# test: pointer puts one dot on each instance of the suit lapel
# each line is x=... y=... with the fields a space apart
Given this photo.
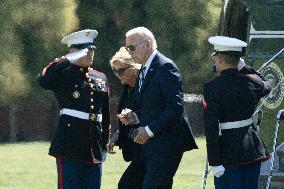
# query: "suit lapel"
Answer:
x=149 y=74
x=137 y=85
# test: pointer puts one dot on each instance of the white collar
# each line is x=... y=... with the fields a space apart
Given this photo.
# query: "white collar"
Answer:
x=241 y=64
x=149 y=61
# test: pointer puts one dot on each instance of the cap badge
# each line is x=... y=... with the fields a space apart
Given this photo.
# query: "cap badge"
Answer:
x=76 y=94
x=87 y=33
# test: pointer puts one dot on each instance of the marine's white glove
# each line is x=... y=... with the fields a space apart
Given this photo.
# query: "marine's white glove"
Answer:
x=218 y=170
x=75 y=56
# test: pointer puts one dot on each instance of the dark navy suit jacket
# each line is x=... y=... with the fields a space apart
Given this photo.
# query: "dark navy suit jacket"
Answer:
x=160 y=106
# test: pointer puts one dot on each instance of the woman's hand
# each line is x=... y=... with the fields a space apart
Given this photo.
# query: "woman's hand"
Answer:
x=110 y=146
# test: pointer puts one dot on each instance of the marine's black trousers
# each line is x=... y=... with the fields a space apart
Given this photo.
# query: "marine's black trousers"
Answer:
x=242 y=177
x=77 y=175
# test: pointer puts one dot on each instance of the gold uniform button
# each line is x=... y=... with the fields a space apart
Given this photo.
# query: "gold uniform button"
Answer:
x=68 y=125
x=90 y=80
x=92 y=107
x=76 y=94
x=92 y=93
x=92 y=100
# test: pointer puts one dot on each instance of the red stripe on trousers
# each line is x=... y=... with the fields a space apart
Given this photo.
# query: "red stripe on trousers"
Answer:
x=60 y=174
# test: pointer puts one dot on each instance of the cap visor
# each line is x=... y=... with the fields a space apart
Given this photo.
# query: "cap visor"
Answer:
x=91 y=46
x=83 y=46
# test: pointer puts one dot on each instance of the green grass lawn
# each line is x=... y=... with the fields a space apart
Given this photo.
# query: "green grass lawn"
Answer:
x=27 y=166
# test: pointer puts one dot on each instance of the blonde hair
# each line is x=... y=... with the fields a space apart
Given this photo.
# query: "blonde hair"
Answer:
x=123 y=56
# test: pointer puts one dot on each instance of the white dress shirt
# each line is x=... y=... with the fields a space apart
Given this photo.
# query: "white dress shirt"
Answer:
x=149 y=61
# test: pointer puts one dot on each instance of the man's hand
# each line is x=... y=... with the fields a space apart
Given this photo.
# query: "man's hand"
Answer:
x=142 y=136
x=128 y=117
x=218 y=171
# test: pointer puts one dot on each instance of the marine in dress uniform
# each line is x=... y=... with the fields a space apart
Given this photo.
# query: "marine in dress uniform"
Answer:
x=234 y=146
x=79 y=141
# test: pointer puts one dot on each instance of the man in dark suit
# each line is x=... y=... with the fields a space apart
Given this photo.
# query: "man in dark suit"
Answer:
x=164 y=126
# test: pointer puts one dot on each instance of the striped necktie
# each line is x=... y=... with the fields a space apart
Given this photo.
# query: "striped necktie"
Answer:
x=141 y=76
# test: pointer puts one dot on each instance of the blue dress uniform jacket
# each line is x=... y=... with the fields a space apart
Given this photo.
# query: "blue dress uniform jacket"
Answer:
x=250 y=70
x=75 y=138
x=233 y=96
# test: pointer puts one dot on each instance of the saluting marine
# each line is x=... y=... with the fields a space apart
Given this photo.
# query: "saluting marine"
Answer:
x=234 y=146
x=79 y=141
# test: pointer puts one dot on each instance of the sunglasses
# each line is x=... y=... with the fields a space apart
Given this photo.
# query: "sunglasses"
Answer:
x=131 y=48
x=120 y=70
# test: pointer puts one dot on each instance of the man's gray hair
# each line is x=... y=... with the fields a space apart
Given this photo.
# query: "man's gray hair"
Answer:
x=145 y=34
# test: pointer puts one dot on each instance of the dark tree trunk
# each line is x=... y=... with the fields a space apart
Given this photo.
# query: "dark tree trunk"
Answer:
x=234 y=19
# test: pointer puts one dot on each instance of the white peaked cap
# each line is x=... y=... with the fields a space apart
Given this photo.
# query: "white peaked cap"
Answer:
x=84 y=37
x=223 y=44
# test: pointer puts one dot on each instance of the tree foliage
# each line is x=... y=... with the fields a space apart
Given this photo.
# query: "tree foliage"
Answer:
x=29 y=36
x=31 y=31
x=181 y=28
